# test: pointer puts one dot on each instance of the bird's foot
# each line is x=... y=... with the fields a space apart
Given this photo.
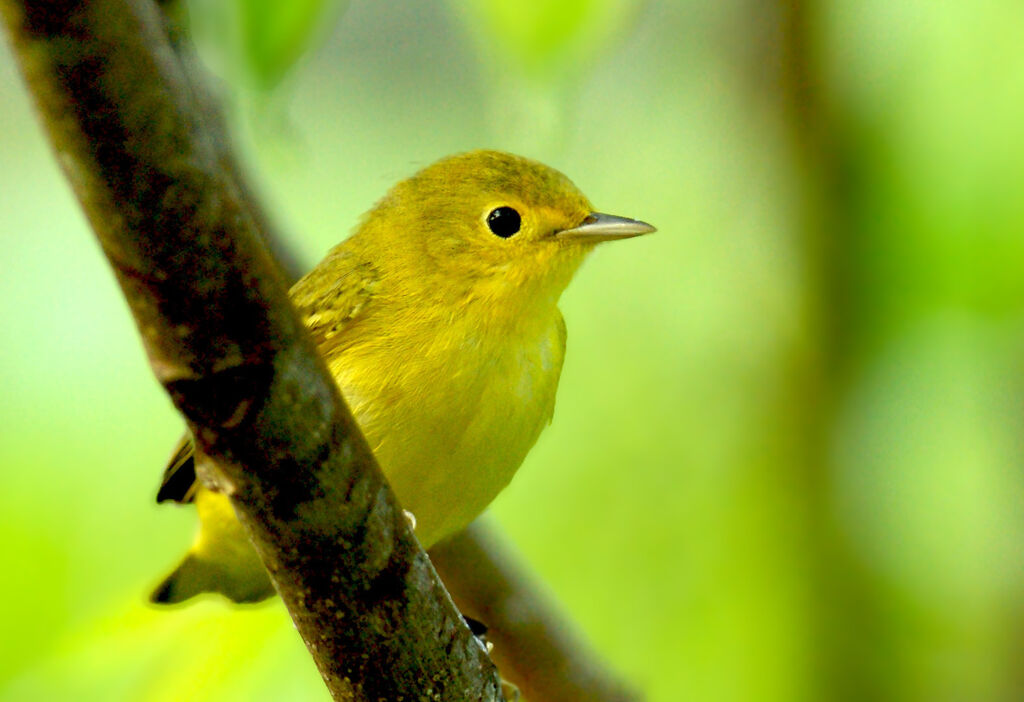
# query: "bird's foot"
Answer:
x=479 y=629
x=411 y=518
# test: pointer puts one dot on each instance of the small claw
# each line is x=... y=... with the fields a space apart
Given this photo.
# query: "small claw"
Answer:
x=411 y=518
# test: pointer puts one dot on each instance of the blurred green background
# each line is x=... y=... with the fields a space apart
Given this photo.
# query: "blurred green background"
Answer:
x=786 y=462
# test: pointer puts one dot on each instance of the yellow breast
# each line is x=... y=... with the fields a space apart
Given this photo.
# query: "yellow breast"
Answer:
x=451 y=416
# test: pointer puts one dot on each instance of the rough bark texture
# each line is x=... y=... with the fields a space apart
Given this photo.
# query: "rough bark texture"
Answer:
x=222 y=337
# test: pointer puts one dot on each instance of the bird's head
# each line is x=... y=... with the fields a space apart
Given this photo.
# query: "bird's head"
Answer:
x=489 y=225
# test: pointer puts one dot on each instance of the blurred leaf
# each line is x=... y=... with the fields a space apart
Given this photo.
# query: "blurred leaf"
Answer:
x=543 y=37
x=258 y=40
x=276 y=34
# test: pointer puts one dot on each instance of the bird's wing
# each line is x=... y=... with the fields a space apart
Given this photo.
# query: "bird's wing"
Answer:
x=334 y=295
x=330 y=298
x=179 y=483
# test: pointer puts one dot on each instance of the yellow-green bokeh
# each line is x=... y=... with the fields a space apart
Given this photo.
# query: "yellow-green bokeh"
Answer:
x=665 y=508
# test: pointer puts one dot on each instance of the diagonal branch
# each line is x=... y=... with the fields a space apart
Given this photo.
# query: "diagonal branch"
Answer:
x=207 y=104
x=222 y=337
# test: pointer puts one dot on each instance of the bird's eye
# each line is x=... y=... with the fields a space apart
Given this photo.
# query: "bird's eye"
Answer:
x=504 y=221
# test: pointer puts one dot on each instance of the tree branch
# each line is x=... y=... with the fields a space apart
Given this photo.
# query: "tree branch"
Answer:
x=207 y=104
x=534 y=647
x=222 y=337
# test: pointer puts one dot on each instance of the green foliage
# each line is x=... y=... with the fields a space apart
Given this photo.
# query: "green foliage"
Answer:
x=663 y=506
x=259 y=41
x=545 y=37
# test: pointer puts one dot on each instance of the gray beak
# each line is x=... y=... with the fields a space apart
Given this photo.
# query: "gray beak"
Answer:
x=605 y=227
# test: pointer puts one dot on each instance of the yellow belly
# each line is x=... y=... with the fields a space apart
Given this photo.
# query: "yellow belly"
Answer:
x=450 y=430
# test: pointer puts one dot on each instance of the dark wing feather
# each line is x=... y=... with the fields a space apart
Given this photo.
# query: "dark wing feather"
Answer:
x=180 y=474
x=334 y=295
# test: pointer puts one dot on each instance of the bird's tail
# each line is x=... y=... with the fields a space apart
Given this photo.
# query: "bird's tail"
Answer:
x=196 y=575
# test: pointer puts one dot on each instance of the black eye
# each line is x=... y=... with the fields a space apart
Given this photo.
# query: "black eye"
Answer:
x=504 y=221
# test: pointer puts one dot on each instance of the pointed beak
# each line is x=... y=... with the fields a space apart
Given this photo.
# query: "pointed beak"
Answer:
x=605 y=227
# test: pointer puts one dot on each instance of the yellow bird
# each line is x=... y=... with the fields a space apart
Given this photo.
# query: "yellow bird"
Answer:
x=438 y=318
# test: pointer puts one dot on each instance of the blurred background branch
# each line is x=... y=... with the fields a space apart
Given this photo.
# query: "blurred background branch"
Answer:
x=534 y=646
x=822 y=352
